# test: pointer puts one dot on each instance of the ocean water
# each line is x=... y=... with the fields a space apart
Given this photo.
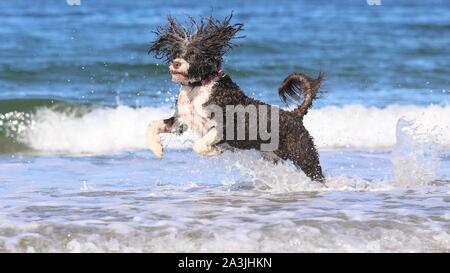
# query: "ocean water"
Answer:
x=77 y=90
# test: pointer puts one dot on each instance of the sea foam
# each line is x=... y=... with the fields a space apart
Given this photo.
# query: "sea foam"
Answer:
x=122 y=128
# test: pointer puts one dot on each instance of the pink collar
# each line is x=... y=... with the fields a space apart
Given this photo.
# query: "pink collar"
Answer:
x=213 y=77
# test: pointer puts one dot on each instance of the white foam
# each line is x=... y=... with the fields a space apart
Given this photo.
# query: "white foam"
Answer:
x=359 y=127
x=123 y=128
x=100 y=131
x=238 y=223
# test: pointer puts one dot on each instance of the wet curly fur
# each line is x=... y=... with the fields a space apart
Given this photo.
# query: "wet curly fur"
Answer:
x=202 y=44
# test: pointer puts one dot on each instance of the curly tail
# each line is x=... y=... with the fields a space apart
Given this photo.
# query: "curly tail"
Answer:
x=297 y=84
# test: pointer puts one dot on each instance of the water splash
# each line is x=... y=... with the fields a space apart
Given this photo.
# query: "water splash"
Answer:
x=415 y=157
x=265 y=175
x=283 y=177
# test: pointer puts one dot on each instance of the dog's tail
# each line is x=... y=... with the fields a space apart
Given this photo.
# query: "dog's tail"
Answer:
x=297 y=85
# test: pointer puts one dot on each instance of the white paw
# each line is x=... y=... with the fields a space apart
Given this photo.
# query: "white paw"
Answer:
x=200 y=148
x=156 y=148
x=154 y=141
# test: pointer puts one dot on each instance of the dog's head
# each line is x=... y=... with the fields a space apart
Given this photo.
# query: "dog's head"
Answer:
x=194 y=52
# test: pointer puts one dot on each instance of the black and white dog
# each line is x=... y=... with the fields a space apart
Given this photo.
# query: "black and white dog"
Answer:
x=209 y=100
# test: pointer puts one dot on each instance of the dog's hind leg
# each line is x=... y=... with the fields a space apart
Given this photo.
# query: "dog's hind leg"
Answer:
x=206 y=145
x=302 y=152
x=153 y=138
x=310 y=165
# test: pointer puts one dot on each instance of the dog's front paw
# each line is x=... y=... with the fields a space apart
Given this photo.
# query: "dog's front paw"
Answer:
x=156 y=148
x=154 y=141
x=202 y=149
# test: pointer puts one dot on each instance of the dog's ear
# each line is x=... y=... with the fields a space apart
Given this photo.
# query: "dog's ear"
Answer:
x=170 y=40
x=213 y=37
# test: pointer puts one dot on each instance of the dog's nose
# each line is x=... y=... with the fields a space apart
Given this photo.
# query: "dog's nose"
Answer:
x=176 y=64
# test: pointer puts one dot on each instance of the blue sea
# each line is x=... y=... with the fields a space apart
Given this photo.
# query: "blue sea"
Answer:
x=78 y=89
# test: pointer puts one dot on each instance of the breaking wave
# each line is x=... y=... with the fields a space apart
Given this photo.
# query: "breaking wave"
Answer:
x=52 y=128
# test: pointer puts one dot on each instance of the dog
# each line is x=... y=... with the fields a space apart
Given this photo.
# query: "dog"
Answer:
x=194 y=55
